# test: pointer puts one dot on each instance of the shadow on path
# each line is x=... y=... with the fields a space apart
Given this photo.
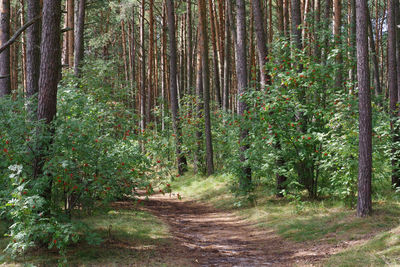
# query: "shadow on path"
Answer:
x=218 y=238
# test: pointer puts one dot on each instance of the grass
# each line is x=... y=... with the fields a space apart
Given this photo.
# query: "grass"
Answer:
x=381 y=250
x=325 y=221
x=130 y=237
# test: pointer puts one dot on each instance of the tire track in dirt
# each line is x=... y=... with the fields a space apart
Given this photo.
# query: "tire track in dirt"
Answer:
x=210 y=237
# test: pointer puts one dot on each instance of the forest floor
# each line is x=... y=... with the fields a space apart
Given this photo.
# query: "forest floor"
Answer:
x=211 y=237
x=209 y=226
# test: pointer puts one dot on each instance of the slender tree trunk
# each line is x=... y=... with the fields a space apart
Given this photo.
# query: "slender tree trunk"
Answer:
x=397 y=15
x=261 y=41
x=14 y=52
x=286 y=17
x=5 y=72
x=327 y=15
x=150 y=88
x=124 y=52
x=182 y=164
x=70 y=34
x=79 y=37
x=317 y=19
x=241 y=72
x=32 y=56
x=198 y=158
x=163 y=68
x=227 y=59
x=133 y=59
x=189 y=48
x=377 y=83
x=296 y=22
x=22 y=2
x=337 y=18
x=364 y=203
x=142 y=70
x=206 y=84
x=280 y=17
x=392 y=84
x=217 y=84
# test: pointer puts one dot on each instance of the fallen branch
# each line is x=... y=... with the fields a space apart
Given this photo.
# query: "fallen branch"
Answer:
x=18 y=33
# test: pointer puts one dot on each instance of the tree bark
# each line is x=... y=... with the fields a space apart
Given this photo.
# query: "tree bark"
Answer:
x=364 y=203
x=50 y=64
x=32 y=56
x=241 y=72
x=217 y=84
x=189 y=47
x=261 y=41
x=296 y=22
x=5 y=72
x=206 y=84
x=337 y=25
x=227 y=59
x=392 y=84
x=181 y=160
x=142 y=70
x=150 y=87
x=70 y=34
x=79 y=38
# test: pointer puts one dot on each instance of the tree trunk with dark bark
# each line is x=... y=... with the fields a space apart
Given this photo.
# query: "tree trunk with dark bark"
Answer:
x=5 y=72
x=142 y=70
x=181 y=159
x=206 y=85
x=241 y=72
x=227 y=60
x=392 y=84
x=50 y=66
x=364 y=203
x=261 y=41
x=79 y=37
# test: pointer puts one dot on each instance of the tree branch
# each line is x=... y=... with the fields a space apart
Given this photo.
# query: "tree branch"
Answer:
x=18 y=33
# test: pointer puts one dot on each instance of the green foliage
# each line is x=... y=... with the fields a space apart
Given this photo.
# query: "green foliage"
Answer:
x=89 y=155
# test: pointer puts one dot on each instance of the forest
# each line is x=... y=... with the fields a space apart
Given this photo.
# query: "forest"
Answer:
x=199 y=133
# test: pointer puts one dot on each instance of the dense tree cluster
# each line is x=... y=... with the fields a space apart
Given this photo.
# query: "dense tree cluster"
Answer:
x=102 y=98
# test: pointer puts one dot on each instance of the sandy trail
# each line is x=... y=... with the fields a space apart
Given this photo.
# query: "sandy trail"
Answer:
x=209 y=237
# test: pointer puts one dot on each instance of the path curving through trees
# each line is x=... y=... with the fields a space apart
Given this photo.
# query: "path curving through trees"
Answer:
x=210 y=237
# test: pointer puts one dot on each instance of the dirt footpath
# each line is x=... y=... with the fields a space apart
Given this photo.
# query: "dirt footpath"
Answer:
x=209 y=237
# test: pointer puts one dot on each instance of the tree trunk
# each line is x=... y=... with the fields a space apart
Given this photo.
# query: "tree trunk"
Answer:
x=198 y=158
x=182 y=164
x=217 y=84
x=79 y=38
x=49 y=76
x=296 y=22
x=163 y=68
x=392 y=84
x=206 y=84
x=377 y=83
x=364 y=203
x=337 y=25
x=5 y=81
x=241 y=72
x=142 y=71
x=150 y=88
x=227 y=60
x=22 y=2
x=32 y=56
x=70 y=33
x=189 y=48
x=261 y=41
x=280 y=18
